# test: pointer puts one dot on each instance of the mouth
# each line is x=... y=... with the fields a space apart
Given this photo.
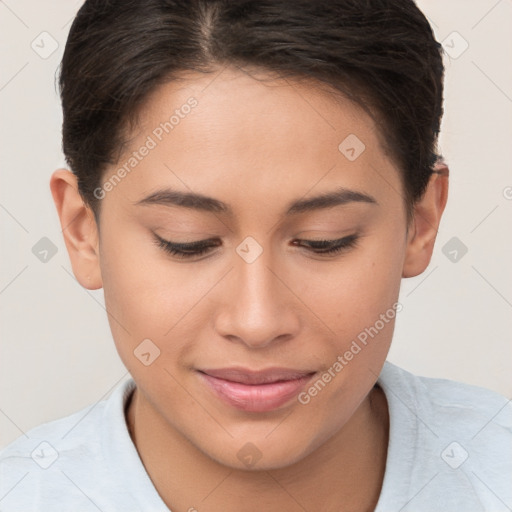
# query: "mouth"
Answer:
x=255 y=391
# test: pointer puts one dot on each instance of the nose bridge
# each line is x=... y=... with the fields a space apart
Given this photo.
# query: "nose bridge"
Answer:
x=256 y=285
x=257 y=309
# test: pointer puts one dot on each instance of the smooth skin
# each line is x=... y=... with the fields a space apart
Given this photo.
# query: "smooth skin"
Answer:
x=256 y=145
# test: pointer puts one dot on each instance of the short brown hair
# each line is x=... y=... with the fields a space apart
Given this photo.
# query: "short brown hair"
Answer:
x=380 y=53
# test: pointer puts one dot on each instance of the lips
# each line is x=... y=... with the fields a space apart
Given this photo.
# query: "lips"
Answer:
x=252 y=377
x=255 y=391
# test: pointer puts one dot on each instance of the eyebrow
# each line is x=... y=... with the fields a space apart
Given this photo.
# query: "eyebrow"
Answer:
x=340 y=196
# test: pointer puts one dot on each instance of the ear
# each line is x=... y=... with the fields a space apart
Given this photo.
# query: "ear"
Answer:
x=425 y=222
x=79 y=229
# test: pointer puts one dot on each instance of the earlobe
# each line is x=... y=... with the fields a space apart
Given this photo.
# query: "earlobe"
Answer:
x=79 y=229
x=425 y=223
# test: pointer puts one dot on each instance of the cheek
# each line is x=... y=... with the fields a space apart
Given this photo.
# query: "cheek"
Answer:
x=139 y=280
x=359 y=304
x=144 y=295
x=351 y=293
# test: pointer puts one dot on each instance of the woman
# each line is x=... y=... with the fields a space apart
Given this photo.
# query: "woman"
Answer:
x=249 y=182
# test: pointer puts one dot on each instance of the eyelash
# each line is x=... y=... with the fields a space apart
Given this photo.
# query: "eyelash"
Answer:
x=195 y=249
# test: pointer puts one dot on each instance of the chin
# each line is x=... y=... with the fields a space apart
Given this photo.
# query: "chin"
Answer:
x=263 y=455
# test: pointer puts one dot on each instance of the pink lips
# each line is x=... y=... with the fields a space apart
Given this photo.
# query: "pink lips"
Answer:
x=255 y=391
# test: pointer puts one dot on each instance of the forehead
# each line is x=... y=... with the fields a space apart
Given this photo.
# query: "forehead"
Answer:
x=240 y=102
x=230 y=131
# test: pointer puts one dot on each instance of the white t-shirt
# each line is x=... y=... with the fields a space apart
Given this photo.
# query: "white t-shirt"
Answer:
x=450 y=449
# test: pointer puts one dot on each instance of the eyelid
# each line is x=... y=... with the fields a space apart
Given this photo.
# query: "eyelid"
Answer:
x=188 y=245
x=330 y=246
x=189 y=250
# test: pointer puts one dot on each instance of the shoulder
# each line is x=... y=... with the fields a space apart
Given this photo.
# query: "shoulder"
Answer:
x=464 y=404
x=452 y=440
x=46 y=459
x=442 y=392
x=37 y=447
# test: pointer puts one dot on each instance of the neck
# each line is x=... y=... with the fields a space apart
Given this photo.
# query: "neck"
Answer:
x=347 y=470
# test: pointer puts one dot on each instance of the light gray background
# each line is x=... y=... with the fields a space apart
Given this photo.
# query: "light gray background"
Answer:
x=56 y=351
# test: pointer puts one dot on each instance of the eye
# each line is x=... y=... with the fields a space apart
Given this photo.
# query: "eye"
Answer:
x=328 y=247
x=200 y=247
x=187 y=250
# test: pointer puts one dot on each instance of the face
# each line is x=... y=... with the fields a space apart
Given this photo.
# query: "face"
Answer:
x=258 y=312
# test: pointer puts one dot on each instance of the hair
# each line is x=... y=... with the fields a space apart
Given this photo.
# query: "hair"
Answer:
x=381 y=54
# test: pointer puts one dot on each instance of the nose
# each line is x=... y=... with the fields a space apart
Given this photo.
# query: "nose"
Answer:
x=258 y=308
